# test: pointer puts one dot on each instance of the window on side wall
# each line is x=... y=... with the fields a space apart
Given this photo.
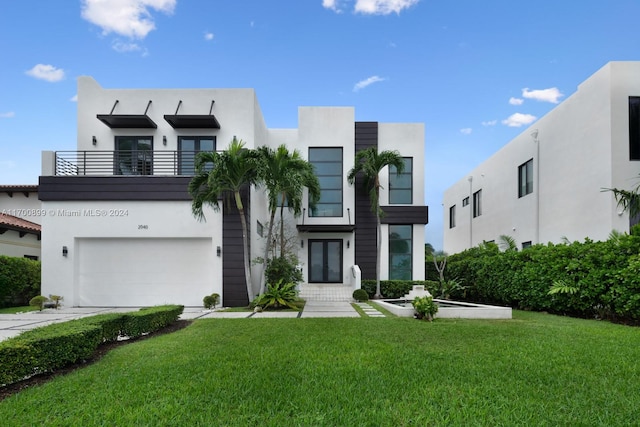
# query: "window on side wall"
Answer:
x=452 y=216
x=400 y=252
x=634 y=128
x=401 y=185
x=328 y=166
x=526 y=245
x=525 y=178
x=477 y=203
x=189 y=147
x=465 y=201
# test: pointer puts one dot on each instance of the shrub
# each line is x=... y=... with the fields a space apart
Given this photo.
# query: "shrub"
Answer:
x=278 y=295
x=425 y=307
x=360 y=295
x=210 y=301
x=38 y=301
x=398 y=288
x=283 y=268
x=19 y=280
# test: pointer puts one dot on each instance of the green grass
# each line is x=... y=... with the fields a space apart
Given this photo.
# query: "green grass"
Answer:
x=535 y=370
x=13 y=310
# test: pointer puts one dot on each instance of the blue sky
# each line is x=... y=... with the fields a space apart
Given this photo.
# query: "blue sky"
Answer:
x=476 y=73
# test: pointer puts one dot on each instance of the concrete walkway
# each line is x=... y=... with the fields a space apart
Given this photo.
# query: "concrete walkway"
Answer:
x=13 y=324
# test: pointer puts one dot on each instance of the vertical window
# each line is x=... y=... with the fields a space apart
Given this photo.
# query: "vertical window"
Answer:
x=134 y=155
x=328 y=167
x=525 y=178
x=401 y=185
x=260 y=229
x=452 y=216
x=188 y=147
x=400 y=252
x=634 y=128
x=477 y=203
x=465 y=201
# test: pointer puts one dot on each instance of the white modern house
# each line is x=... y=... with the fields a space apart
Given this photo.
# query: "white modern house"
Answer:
x=20 y=215
x=119 y=229
x=546 y=185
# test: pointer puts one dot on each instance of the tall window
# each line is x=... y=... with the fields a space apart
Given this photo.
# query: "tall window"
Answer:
x=634 y=128
x=477 y=203
x=400 y=252
x=525 y=178
x=188 y=147
x=134 y=155
x=328 y=167
x=465 y=201
x=452 y=216
x=401 y=185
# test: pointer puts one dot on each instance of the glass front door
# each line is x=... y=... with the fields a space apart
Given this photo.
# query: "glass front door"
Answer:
x=134 y=155
x=325 y=261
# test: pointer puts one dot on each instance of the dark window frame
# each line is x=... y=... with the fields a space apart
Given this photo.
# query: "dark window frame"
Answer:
x=394 y=242
x=465 y=201
x=394 y=178
x=182 y=154
x=144 y=163
x=339 y=205
x=452 y=216
x=634 y=128
x=477 y=203
x=525 y=178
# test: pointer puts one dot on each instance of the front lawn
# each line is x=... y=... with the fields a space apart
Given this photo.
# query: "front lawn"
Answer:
x=14 y=310
x=534 y=370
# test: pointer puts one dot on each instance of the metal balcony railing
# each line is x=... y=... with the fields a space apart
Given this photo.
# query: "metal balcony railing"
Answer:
x=125 y=162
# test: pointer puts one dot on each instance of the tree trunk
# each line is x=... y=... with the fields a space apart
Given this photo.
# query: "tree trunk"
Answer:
x=263 y=277
x=282 y=225
x=378 y=294
x=245 y=244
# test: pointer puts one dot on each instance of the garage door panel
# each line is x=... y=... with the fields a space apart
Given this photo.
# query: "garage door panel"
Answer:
x=142 y=272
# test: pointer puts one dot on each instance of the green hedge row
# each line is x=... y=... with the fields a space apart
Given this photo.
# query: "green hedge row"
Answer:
x=397 y=288
x=55 y=346
x=604 y=275
x=19 y=281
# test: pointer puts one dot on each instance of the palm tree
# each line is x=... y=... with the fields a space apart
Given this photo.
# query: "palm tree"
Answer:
x=285 y=174
x=224 y=174
x=628 y=200
x=370 y=163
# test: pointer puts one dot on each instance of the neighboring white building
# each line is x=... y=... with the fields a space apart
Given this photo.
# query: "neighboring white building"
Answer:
x=20 y=215
x=547 y=184
x=119 y=230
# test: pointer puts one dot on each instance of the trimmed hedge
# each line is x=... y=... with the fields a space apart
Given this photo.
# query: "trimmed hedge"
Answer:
x=55 y=346
x=397 y=288
x=19 y=280
x=605 y=275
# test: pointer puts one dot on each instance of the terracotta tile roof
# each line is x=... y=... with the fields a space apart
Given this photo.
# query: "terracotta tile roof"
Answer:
x=11 y=222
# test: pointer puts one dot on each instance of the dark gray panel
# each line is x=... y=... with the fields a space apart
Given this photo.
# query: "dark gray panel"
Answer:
x=233 y=279
x=405 y=215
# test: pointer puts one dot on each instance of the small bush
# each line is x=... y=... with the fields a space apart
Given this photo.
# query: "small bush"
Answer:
x=38 y=301
x=278 y=295
x=283 y=268
x=425 y=307
x=360 y=295
x=19 y=280
x=210 y=301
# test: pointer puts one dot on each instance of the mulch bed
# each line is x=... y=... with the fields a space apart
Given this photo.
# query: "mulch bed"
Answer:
x=103 y=349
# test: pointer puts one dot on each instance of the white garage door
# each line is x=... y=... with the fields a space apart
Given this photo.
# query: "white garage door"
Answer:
x=124 y=272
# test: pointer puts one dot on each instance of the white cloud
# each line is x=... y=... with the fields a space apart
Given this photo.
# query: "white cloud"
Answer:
x=129 y=18
x=466 y=131
x=7 y=115
x=123 y=47
x=490 y=123
x=547 y=95
x=383 y=7
x=208 y=36
x=74 y=98
x=46 y=72
x=370 y=7
x=517 y=120
x=516 y=101
x=366 y=82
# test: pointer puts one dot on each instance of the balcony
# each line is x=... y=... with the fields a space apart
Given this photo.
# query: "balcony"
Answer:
x=123 y=162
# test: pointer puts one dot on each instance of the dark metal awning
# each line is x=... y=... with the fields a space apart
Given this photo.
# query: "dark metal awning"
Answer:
x=193 y=121
x=326 y=228
x=127 y=121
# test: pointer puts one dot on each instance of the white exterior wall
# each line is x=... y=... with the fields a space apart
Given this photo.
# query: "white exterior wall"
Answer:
x=73 y=224
x=583 y=148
